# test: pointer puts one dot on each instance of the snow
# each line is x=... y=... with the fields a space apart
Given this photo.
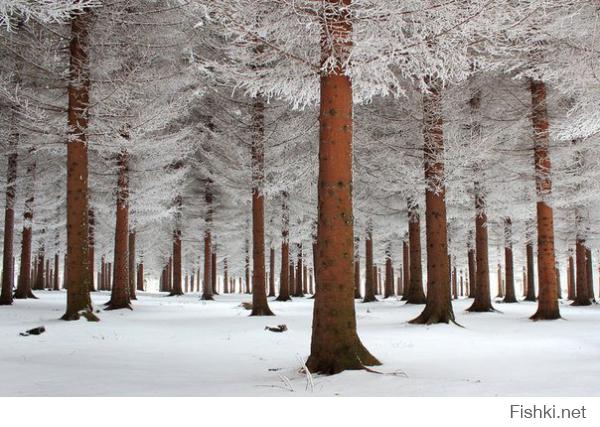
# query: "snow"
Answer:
x=182 y=346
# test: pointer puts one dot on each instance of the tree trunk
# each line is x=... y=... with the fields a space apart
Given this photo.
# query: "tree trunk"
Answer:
x=335 y=345
x=370 y=275
x=132 y=264
x=24 y=284
x=389 y=280
x=214 y=270
x=8 y=273
x=207 y=291
x=176 y=289
x=472 y=268
x=530 y=294
x=39 y=279
x=415 y=294
x=509 y=280
x=77 y=271
x=298 y=292
x=140 y=280
x=482 y=302
x=271 y=272
x=260 y=305
x=91 y=244
x=356 y=270
x=226 y=288
x=56 y=267
x=547 y=300
x=119 y=297
x=405 y=271
x=581 y=297
x=438 y=308
x=570 y=279
x=284 y=282
x=589 y=274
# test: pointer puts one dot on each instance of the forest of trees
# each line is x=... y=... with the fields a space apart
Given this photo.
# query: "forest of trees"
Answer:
x=339 y=150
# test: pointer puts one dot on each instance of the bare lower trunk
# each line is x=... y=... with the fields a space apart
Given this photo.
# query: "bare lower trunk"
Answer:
x=438 y=308
x=132 y=263
x=335 y=345
x=6 y=295
x=509 y=280
x=415 y=293
x=589 y=274
x=547 y=300
x=370 y=274
x=570 y=279
x=176 y=289
x=77 y=271
x=581 y=297
x=207 y=291
x=299 y=273
x=389 y=280
x=284 y=277
x=91 y=244
x=24 y=284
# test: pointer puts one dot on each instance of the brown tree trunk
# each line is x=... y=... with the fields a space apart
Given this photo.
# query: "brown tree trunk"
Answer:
x=272 y=272
x=91 y=244
x=140 y=280
x=454 y=284
x=260 y=305
x=132 y=264
x=119 y=297
x=370 y=275
x=56 y=267
x=530 y=295
x=176 y=288
x=24 y=284
x=207 y=291
x=510 y=295
x=571 y=279
x=414 y=294
x=214 y=269
x=438 y=308
x=405 y=270
x=298 y=292
x=482 y=302
x=284 y=278
x=389 y=280
x=589 y=274
x=335 y=345
x=547 y=300
x=77 y=271
x=581 y=297
x=225 y=277
x=472 y=269
x=39 y=279
x=356 y=271
x=8 y=273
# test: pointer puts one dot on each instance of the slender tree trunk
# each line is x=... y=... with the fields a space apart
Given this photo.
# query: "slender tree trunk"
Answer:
x=389 y=270
x=260 y=305
x=482 y=302
x=356 y=269
x=207 y=291
x=39 y=279
x=140 y=280
x=119 y=297
x=370 y=274
x=438 y=308
x=571 y=279
x=415 y=294
x=454 y=284
x=214 y=269
x=24 y=284
x=530 y=294
x=6 y=295
x=77 y=274
x=56 y=267
x=176 y=289
x=298 y=292
x=91 y=244
x=589 y=274
x=547 y=301
x=284 y=282
x=472 y=269
x=335 y=345
x=510 y=296
x=225 y=277
x=581 y=297
x=406 y=270
x=132 y=264
x=271 y=272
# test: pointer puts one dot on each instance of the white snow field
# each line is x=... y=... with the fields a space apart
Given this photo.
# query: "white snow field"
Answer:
x=173 y=346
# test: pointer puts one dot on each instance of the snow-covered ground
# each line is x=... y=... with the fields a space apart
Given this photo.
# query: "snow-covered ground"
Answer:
x=183 y=346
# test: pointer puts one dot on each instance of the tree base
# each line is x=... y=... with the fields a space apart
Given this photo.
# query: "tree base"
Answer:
x=370 y=299
x=543 y=315
x=280 y=298
x=111 y=306
x=581 y=302
x=480 y=308
x=261 y=311
x=531 y=299
x=87 y=314
x=205 y=297
x=24 y=295
x=507 y=300
x=355 y=358
x=432 y=317
x=173 y=294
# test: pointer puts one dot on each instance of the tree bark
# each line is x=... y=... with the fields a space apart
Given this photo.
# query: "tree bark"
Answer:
x=589 y=274
x=284 y=278
x=356 y=269
x=530 y=293
x=335 y=345
x=260 y=305
x=207 y=291
x=438 y=308
x=132 y=264
x=415 y=293
x=91 y=244
x=510 y=296
x=581 y=297
x=176 y=289
x=389 y=280
x=298 y=279
x=547 y=300
x=571 y=279
x=8 y=273
x=482 y=302
x=77 y=271
x=214 y=269
x=140 y=280
x=119 y=297
x=472 y=268
x=370 y=275
x=406 y=270
x=24 y=284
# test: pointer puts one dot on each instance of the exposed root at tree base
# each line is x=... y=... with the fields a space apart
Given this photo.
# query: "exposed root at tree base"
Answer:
x=118 y=307
x=358 y=360
x=264 y=311
x=87 y=314
x=206 y=298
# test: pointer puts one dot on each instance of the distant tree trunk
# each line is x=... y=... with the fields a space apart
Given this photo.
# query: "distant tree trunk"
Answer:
x=571 y=279
x=271 y=272
x=207 y=291
x=335 y=345
x=454 y=284
x=6 y=295
x=247 y=270
x=304 y=279
x=284 y=282
x=482 y=302
x=140 y=278
x=91 y=244
x=214 y=270
x=39 y=279
x=547 y=300
x=510 y=296
x=24 y=284
x=176 y=289
x=415 y=294
x=311 y=288
x=56 y=267
x=589 y=274
x=499 y=282
x=472 y=266
x=260 y=305
x=132 y=264
x=581 y=297
x=370 y=275
x=558 y=285
x=102 y=284
x=406 y=270
x=298 y=275
x=77 y=274
x=389 y=270
x=438 y=308
x=225 y=277
x=356 y=269
x=530 y=295
x=119 y=297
